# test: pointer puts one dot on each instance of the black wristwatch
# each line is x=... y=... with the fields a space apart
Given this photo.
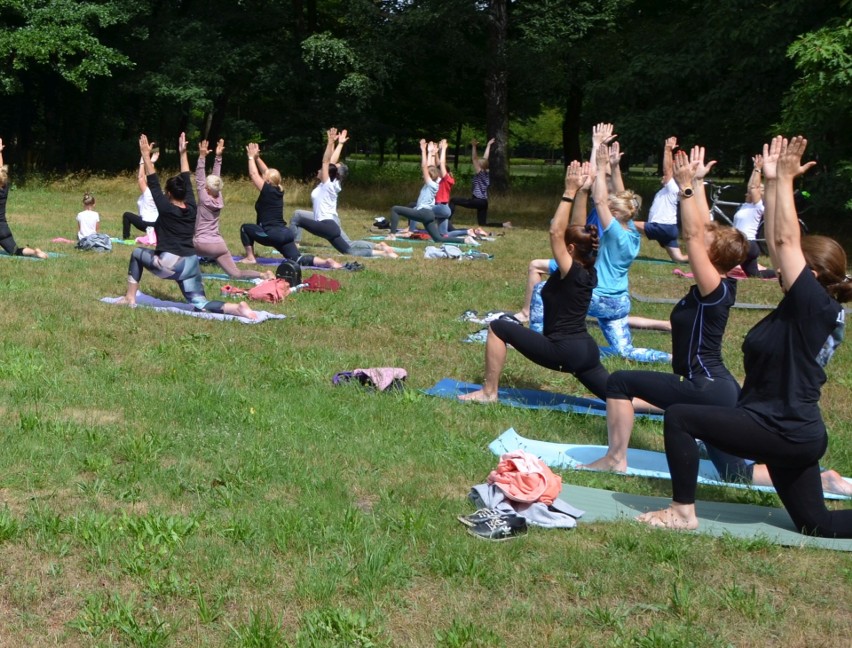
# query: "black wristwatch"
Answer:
x=686 y=193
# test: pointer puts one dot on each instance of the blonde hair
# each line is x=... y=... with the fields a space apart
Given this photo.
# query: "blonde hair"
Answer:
x=4 y=175
x=214 y=183
x=625 y=202
x=88 y=199
x=273 y=177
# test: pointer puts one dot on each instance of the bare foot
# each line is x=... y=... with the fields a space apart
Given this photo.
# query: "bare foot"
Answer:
x=268 y=275
x=507 y=225
x=40 y=254
x=522 y=317
x=246 y=311
x=387 y=250
x=479 y=396
x=481 y=232
x=678 y=517
x=833 y=482
x=124 y=301
x=248 y=260
x=606 y=464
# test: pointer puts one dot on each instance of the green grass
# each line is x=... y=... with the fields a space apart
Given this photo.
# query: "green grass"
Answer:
x=168 y=481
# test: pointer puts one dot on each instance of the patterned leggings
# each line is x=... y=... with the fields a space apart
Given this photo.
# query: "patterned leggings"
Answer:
x=184 y=270
x=611 y=313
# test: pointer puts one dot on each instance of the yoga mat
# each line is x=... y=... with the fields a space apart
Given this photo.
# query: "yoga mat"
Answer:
x=262 y=260
x=529 y=399
x=221 y=276
x=182 y=308
x=714 y=518
x=118 y=241
x=640 y=463
x=51 y=255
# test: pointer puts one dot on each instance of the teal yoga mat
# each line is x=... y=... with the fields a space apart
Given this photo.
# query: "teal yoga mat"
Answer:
x=528 y=398
x=640 y=463
x=715 y=518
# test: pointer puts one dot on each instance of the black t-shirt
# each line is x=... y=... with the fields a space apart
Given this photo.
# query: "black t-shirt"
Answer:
x=4 y=194
x=698 y=324
x=783 y=377
x=175 y=227
x=270 y=207
x=566 y=301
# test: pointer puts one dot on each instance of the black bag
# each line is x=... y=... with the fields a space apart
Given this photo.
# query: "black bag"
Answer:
x=289 y=271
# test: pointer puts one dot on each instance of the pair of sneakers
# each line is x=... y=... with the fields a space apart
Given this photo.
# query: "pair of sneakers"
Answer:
x=491 y=524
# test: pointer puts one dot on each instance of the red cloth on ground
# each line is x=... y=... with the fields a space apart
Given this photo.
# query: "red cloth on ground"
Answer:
x=523 y=477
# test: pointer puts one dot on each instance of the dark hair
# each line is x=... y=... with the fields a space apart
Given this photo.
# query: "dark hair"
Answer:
x=586 y=243
x=729 y=248
x=176 y=187
x=826 y=257
x=338 y=172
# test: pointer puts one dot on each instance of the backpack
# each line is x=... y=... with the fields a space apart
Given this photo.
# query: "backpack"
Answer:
x=289 y=271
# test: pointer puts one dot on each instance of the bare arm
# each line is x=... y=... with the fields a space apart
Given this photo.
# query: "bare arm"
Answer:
x=1 y=152
x=693 y=219
x=615 y=154
x=261 y=165
x=253 y=150
x=474 y=156
x=579 y=210
x=787 y=235
x=201 y=169
x=424 y=162
x=342 y=138
x=145 y=150
x=559 y=224
x=217 y=162
x=331 y=139
x=600 y=192
x=442 y=158
x=754 y=180
x=668 y=150
x=184 y=158
x=701 y=170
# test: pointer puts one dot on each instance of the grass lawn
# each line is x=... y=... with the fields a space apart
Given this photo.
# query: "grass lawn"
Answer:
x=168 y=481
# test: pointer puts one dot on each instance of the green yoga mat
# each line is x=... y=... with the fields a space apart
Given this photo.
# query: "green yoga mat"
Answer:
x=715 y=518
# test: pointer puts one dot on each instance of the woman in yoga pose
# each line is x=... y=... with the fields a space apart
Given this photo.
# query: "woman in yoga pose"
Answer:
x=422 y=212
x=270 y=228
x=697 y=322
x=208 y=241
x=324 y=221
x=619 y=246
x=175 y=256
x=565 y=344
x=777 y=419
x=147 y=215
x=7 y=241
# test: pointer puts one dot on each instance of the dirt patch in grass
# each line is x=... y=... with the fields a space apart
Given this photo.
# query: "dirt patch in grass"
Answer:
x=91 y=416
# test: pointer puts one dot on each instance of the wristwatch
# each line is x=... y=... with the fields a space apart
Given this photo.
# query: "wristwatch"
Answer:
x=686 y=192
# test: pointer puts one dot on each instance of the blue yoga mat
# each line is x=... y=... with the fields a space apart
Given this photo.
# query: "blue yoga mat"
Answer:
x=50 y=255
x=714 y=518
x=641 y=463
x=182 y=308
x=529 y=399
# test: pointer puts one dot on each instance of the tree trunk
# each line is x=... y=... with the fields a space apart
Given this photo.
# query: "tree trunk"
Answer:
x=497 y=94
x=571 y=125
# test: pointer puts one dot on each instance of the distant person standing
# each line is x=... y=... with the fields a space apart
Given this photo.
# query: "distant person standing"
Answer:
x=481 y=182
x=7 y=241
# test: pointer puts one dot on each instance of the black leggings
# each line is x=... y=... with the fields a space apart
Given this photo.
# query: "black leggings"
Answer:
x=793 y=467
x=577 y=355
x=666 y=389
x=280 y=238
x=479 y=204
x=327 y=229
x=424 y=216
x=128 y=219
x=750 y=264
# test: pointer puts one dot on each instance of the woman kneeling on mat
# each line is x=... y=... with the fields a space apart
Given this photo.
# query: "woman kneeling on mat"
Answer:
x=7 y=241
x=175 y=256
x=323 y=221
x=565 y=344
x=270 y=228
x=777 y=420
x=698 y=325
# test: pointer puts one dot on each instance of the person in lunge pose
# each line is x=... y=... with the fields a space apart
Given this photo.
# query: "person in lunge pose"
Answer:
x=481 y=181
x=748 y=219
x=697 y=321
x=565 y=344
x=662 y=218
x=175 y=256
x=147 y=215
x=777 y=420
x=422 y=212
x=7 y=241
x=208 y=241
x=270 y=228
x=619 y=247
x=324 y=221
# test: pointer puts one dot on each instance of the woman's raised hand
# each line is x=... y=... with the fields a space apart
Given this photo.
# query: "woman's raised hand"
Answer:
x=602 y=156
x=343 y=136
x=252 y=149
x=771 y=153
x=144 y=146
x=683 y=170
x=220 y=147
x=587 y=175
x=602 y=134
x=203 y=150
x=758 y=162
x=615 y=154
x=790 y=161
x=573 y=177
x=182 y=143
x=696 y=159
